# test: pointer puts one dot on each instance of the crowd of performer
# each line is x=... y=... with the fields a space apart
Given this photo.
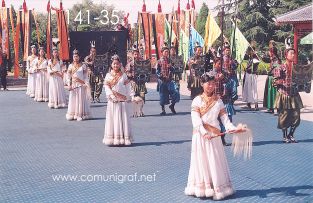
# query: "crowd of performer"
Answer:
x=122 y=85
x=213 y=89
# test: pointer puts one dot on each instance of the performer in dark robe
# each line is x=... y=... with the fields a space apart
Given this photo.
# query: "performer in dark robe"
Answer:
x=250 y=90
x=193 y=83
x=270 y=91
x=167 y=87
x=96 y=76
x=3 y=69
x=288 y=101
x=138 y=84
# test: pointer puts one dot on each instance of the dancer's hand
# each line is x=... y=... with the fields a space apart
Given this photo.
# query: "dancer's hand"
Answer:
x=113 y=98
x=207 y=136
x=238 y=130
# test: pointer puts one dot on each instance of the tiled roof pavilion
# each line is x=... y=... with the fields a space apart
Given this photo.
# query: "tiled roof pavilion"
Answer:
x=301 y=19
x=300 y=15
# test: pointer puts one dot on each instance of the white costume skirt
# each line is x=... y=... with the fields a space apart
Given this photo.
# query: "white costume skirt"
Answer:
x=250 y=90
x=31 y=84
x=209 y=174
x=117 y=124
x=57 y=97
x=42 y=87
x=78 y=105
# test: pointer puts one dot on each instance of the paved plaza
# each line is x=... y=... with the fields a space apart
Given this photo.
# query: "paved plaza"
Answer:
x=38 y=146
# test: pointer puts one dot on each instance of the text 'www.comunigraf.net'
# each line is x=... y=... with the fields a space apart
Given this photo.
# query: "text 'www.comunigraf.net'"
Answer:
x=118 y=178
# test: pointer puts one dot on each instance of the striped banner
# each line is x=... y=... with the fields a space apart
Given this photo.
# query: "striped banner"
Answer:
x=5 y=32
x=63 y=36
x=27 y=33
x=16 y=41
x=146 y=27
x=48 y=36
x=159 y=25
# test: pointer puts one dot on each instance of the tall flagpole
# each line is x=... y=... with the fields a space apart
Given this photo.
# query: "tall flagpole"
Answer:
x=222 y=34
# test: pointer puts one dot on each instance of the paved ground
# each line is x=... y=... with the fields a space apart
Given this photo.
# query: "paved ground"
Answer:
x=37 y=144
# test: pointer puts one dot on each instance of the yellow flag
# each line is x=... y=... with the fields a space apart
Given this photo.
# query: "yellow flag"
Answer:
x=212 y=32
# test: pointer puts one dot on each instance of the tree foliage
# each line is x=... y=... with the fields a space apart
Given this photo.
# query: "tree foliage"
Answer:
x=201 y=20
x=256 y=19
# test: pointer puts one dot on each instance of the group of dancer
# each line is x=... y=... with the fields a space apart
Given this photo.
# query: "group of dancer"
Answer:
x=214 y=93
x=47 y=78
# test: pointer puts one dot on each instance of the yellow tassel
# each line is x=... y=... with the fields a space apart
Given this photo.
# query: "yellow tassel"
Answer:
x=242 y=142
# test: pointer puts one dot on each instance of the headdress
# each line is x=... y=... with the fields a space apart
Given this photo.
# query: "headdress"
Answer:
x=115 y=57
x=55 y=46
x=197 y=45
x=135 y=48
x=219 y=54
x=164 y=47
x=92 y=44
x=173 y=45
x=288 y=45
x=208 y=76
x=75 y=52
x=226 y=45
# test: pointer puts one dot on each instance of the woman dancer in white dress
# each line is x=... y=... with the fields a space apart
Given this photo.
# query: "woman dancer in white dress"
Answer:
x=118 y=91
x=79 y=99
x=209 y=173
x=57 y=97
x=32 y=74
x=42 y=80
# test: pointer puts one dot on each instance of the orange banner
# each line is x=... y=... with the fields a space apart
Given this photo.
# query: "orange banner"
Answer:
x=5 y=32
x=146 y=26
x=159 y=23
x=63 y=36
x=27 y=33
x=48 y=35
x=16 y=34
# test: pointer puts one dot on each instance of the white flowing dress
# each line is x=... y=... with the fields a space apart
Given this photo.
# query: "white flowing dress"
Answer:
x=32 y=74
x=57 y=97
x=209 y=174
x=117 y=125
x=42 y=81
x=79 y=98
x=250 y=89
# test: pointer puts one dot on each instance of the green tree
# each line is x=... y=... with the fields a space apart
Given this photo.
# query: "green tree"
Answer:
x=201 y=20
x=281 y=7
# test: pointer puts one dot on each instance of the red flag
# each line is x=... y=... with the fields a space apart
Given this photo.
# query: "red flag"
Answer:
x=63 y=36
x=144 y=8
x=159 y=7
x=16 y=34
x=193 y=4
x=5 y=39
x=3 y=3
x=146 y=25
x=27 y=32
x=159 y=25
x=48 y=35
x=48 y=6
x=188 y=5
x=24 y=6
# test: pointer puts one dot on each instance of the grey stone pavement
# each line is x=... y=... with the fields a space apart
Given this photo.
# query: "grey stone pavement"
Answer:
x=38 y=146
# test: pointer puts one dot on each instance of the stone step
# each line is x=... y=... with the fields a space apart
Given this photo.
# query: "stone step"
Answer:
x=11 y=81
